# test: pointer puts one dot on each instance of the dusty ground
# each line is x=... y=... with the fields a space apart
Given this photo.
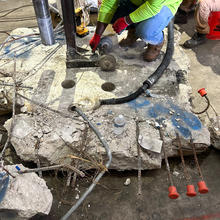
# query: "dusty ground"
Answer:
x=111 y=199
x=205 y=67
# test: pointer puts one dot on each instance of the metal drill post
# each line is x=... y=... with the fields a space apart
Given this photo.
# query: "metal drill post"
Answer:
x=69 y=24
x=68 y=11
x=42 y=12
x=73 y=59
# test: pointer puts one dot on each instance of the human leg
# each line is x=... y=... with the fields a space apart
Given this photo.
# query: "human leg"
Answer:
x=151 y=31
x=130 y=39
x=187 y=5
x=202 y=13
x=182 y=13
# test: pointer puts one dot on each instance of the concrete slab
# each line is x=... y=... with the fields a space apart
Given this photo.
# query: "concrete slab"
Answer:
x=169 y=104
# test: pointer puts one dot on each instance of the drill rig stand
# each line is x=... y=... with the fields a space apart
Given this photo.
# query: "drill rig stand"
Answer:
x=75 y=56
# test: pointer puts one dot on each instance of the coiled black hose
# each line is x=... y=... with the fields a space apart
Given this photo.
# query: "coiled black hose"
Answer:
x=153 y=78
x=206 y=108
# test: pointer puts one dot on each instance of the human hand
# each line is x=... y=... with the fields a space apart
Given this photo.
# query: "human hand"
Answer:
x=94 y=42
x=120 y=24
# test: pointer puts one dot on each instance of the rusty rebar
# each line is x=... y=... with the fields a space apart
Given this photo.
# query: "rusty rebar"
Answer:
x=166 y=158
x=53 y=168
x=62 y=114
x=186 y=174
x=196 y=159
x=139 y=160
x=8 y=172
x=19 y=86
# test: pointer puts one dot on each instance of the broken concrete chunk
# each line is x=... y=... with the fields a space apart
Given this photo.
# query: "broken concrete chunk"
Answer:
x=149 y=138
x=46 y=129
x=127 y=182
x=21 y=128
x=175 y=173
x=77 y=196
x=65 y=132
x=150 y=143
x=27 y=194
x=216 y=139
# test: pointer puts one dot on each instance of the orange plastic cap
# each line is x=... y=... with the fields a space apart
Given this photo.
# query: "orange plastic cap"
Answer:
x=202 y=187
x=202 y=92
x=173 y=194
x=191 y=191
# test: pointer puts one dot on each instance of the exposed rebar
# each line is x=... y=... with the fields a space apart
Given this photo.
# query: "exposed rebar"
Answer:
x=166 y=158
x=53 y=168
x=19 y=86
x=196 y=159
x=139 y=159
x=48 y=108
x=186 y=174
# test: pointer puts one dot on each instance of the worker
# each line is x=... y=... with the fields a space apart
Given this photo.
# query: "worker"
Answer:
x=144 y=19
x=181 y=16
x=202 y=12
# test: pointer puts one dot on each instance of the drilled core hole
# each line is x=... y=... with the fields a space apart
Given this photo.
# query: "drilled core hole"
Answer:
x=71 y=108
x=108 y=86
x=67 y=84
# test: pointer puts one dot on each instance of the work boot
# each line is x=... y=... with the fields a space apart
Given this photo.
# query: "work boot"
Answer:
x=130 y=40
x=152 y=52
x=196 y=40
x=181 y=17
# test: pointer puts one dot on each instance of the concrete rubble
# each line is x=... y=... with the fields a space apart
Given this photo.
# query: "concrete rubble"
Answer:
x=27 y=194
x=56 y=137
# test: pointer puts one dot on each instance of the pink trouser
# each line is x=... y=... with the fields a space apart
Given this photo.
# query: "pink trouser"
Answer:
x=203 y=9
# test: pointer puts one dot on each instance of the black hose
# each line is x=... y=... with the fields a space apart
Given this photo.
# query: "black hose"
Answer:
x=206 y=108
x=153 y=78
x=124 y=99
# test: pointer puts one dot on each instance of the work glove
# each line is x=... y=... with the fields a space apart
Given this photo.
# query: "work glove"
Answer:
x=119 y=25
x=94 y=42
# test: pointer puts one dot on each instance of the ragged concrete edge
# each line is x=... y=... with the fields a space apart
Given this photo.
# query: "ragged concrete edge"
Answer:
x=27 y=194
x=60 y=137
